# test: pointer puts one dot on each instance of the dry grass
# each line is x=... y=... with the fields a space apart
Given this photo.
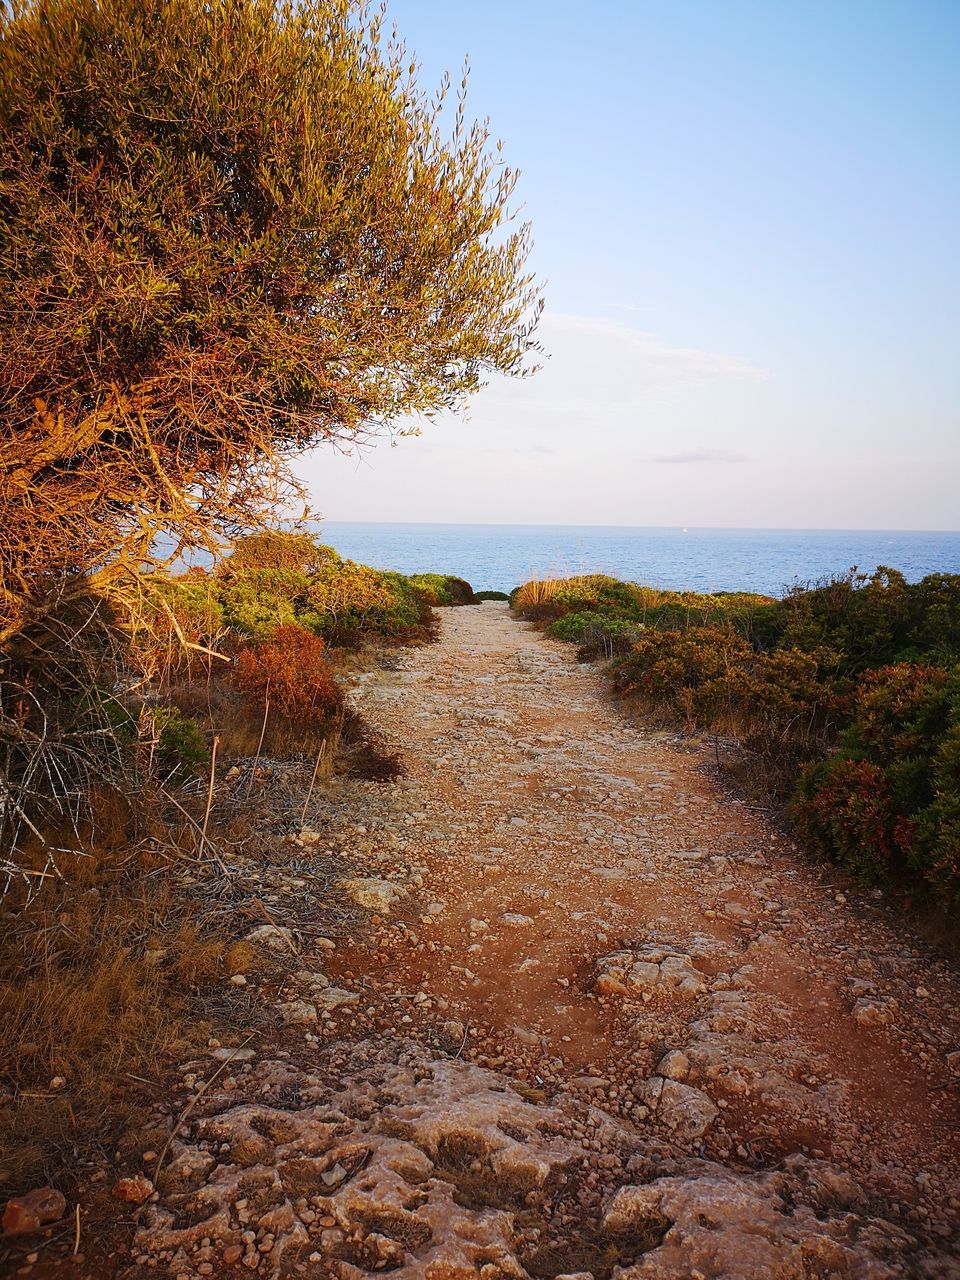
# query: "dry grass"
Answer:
x=537 y=593
x=101 y=979
x=117 y=965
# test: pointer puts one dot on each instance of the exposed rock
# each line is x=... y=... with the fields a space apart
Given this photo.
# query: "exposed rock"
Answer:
x=872 y=1013
x=224 y=1053
x=431 y=1120
x=421 y=1167
x=373 y=895
x=646 y=969
x=30 y=1212
x=335 y=997
x=298 y=1012
x=686 y=1112
x=674 y=1065
x=273 y=937
x=514 y=918
x=724 y=1225
x=133 y=1190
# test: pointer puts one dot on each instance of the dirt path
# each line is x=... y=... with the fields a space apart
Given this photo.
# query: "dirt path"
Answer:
x=589 y=1017
x=560 y=833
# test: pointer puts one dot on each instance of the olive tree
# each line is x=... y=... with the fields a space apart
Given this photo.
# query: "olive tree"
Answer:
x=229 y=229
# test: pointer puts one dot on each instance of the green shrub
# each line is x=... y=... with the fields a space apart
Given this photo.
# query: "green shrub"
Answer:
x=181 y=744
x=256 y=602
x=490 y=595
x=843 y=808
x=875 y=620
x=277 y=579
x=441 y=589
x=278 y=549
x=558 y=599
x=684 y=671
x=598 y=634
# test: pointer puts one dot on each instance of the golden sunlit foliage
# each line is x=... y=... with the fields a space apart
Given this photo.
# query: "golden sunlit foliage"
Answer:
x=229 y=229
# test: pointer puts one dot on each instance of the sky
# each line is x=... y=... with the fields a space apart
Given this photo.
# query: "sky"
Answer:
x=745 y=219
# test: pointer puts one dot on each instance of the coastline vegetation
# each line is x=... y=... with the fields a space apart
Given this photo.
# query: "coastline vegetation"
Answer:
x=839 y=703
x=229 y=231
x=107 y=963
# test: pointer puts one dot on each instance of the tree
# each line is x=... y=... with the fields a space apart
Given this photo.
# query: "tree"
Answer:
x=229 y=229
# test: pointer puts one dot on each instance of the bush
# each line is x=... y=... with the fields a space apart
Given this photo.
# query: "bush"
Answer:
x=292 y=669
x=599 y=635
x=443 y=589
x=843 y=809
x=279 y=549
x=887 y=804
x=181 y=744
x=874 y=620
x=286 y=578
x=257 y=601
x=684 y=670
x=628 y=603
x=490 y=595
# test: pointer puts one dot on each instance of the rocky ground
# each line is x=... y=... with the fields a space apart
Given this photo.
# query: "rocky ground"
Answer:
x=577 y=1013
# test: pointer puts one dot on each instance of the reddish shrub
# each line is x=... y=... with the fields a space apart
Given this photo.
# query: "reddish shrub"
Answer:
x=292 y=667
x=901 y=709
x=844 y=808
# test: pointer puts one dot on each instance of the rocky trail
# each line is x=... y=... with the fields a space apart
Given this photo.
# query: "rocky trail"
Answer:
x=582 y=1014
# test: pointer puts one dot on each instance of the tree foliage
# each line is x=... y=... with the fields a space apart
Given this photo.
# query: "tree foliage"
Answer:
x=229 y=229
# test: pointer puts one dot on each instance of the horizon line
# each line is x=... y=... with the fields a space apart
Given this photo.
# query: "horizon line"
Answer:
x=700 y=528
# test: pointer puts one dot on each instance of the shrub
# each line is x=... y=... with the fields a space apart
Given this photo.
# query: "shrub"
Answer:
x=843 y=809
x=875 y=620
x=347 y=600
x=282 y=578
x=258 y=601
x=887 y=804
x=441 y=589
x=278 y=549
x=900 y=710
x=684 y=670
x=787 y=691
x=291 y=668
x=181 y=744
x=556 y=599
x=182 y=620
x=937 y=849
x=490 y=595
x=599 y=635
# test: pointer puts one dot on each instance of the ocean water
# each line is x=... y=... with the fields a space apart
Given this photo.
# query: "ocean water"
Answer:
x=499 y=557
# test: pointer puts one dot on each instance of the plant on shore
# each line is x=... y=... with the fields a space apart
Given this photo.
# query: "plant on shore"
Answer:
x=291 y=669
x=841 y=699
x=229 y=230
x=885 y=804
x=442 y=589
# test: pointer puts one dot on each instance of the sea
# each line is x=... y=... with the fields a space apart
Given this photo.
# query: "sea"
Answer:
x=498 y=557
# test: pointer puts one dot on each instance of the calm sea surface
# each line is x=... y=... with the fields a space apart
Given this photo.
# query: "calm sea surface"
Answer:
x=499 y=557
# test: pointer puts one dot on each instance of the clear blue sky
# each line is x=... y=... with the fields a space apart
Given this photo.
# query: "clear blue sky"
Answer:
x=746 y=216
